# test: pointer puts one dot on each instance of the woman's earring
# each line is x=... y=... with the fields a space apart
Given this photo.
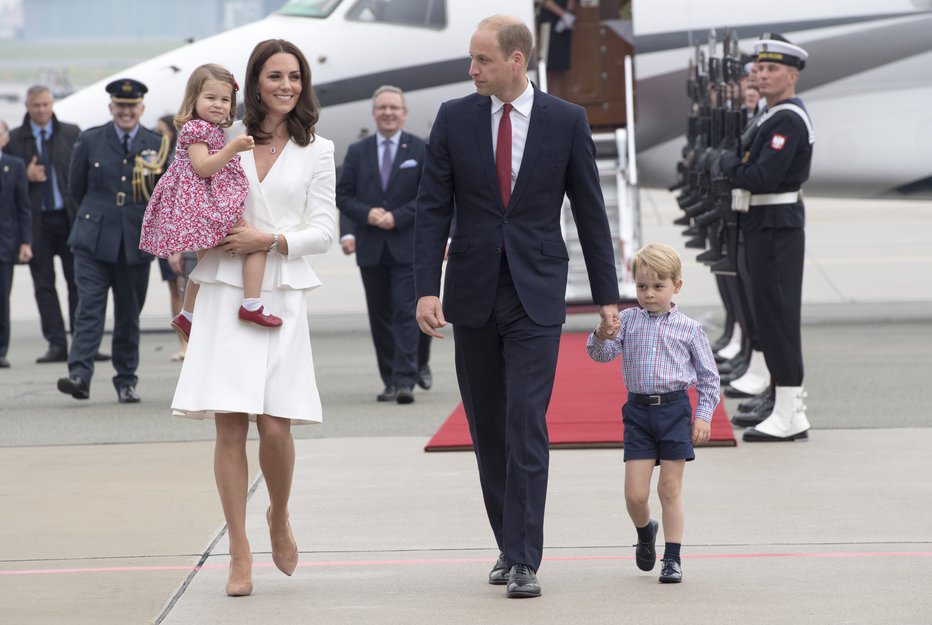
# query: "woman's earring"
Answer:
x=258 y=97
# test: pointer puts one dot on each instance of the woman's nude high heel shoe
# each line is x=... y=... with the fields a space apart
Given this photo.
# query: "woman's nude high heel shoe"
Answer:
x=286 y=560
x=239 y=581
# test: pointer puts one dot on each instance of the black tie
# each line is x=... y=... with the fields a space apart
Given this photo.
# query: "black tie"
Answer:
x=48 y=193
x=125 y=145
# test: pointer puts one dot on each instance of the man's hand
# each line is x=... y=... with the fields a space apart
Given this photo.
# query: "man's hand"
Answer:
x=348 y=245
x=375 y=215
x=25 y=253
x=35 y=172
x=430 y=316
x=701 y=431
x=387 y=222
x=610 y=322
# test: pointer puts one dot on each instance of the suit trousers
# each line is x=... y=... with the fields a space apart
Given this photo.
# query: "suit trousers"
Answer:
x=505 y=371
x=392 y=305
x=6 y=287
x=50 y=238
x=775 y=262
x=95 y=279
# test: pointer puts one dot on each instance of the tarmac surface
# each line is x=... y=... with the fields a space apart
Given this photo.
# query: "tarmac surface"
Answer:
x=110 y=515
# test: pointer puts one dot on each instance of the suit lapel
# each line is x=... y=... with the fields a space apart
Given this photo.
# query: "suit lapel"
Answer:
x=537 y=128
x=400 y=157
x=482 y=122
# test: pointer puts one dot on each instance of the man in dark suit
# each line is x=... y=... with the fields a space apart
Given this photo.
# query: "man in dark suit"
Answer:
x=45 y=144
x=377 y=192
x=504 y=158
x=111 y=179
x=15 y=232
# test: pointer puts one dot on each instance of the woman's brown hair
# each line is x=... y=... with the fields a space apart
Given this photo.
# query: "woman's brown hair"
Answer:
x=302 y=120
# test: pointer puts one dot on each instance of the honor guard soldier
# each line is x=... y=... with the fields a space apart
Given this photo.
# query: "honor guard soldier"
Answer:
x=113 y=170
x=772 y=218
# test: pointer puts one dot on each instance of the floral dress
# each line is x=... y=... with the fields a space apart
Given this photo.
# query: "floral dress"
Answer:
x=187 y=212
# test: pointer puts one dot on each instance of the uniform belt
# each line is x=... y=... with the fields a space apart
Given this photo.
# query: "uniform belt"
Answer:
x=766 y=199
x=656 y=400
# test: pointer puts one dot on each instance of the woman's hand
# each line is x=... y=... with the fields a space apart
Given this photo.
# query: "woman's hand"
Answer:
x=244 y=239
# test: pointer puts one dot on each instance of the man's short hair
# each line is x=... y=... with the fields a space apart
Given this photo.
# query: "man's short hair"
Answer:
x=660 y=259
x=389 y=89
x=513 y=34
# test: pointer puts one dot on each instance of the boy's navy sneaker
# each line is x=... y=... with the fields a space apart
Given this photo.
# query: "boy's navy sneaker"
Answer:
x=646 y=553
x=670 y=572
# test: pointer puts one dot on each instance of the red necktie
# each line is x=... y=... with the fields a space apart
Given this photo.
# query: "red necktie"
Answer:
x=503 y=155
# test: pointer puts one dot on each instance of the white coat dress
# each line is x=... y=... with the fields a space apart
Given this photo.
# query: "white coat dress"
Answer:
x=234 y=366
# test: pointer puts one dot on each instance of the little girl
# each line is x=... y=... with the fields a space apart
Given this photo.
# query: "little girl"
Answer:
x=200 y=197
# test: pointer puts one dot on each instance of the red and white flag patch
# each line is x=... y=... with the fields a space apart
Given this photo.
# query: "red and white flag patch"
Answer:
x=777 y=142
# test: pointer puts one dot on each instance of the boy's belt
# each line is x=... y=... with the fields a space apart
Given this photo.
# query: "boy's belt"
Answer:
x=656 y=400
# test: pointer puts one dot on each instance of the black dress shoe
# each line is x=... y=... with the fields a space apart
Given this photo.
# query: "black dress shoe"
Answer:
x=74 y=386
x=424 y=379
x=498 y=576
x=389 y=394
x=127 y=395
x=753 y=417
x=522 y=583
x=753 y=435
x=670 y=572
x=54 y=354
x=405 y=395
x=101 y=357
x=646 y=553
x=751 y=405
x=4 y=363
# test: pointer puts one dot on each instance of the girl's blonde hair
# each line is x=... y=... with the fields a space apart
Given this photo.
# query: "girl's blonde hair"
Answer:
x=210 y=71
x=659 y=258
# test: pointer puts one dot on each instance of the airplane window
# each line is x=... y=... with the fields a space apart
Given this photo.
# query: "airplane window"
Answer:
x=309 y=8
x=423 y=13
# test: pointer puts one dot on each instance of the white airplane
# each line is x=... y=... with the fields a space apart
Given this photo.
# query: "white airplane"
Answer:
x=867 y=84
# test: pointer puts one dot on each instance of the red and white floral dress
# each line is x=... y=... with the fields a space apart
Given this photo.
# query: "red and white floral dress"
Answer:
x=187 y=212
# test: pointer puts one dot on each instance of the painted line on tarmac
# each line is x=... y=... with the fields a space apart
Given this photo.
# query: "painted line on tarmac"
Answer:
x=448 y=561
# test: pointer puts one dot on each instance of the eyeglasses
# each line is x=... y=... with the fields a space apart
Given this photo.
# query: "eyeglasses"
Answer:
x=388 y=107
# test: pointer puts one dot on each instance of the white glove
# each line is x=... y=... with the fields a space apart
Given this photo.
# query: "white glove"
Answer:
x=567 y=20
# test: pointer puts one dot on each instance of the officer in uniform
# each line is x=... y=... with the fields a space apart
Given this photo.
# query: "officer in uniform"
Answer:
x=113 y=170
x=769 y=177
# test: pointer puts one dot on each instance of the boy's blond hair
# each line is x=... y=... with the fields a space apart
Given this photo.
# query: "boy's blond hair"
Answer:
x=659 y=258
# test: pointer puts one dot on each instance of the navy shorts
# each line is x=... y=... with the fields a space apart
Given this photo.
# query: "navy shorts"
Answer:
x=658 y=433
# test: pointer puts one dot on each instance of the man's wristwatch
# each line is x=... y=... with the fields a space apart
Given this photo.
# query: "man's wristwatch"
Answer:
x=274 y=246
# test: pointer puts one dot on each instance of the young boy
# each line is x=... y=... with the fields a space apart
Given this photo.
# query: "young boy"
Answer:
x=664 y=352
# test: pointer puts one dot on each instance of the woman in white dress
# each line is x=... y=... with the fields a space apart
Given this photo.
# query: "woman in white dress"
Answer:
x=237 y=372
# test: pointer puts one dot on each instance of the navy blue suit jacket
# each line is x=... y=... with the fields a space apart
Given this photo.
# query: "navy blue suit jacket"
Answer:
x=559 y=158
x=15 y=214
x=360 y=188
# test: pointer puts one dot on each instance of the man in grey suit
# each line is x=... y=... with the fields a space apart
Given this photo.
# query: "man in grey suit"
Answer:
x=377 y=192
x=15 y=232
x=113 y=170
x=502 y=159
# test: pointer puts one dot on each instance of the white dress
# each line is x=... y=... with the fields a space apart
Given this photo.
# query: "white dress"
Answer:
x=232 y=366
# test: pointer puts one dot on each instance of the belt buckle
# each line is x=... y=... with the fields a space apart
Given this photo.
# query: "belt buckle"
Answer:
x=653 y=400
x=120 y=198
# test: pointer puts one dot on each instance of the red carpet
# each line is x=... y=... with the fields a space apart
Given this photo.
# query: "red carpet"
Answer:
x=585 y=410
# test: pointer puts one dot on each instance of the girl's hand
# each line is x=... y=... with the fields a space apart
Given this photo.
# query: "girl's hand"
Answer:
x=242 y=143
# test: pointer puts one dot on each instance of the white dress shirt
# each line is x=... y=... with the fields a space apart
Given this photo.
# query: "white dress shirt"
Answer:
x=520 y=120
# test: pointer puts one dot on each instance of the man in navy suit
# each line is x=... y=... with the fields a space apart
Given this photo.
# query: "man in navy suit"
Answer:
x=377 y=192
x=15 y=232
x=503 y=159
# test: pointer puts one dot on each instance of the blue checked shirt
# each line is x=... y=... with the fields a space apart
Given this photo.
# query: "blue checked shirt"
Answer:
x=661 y=354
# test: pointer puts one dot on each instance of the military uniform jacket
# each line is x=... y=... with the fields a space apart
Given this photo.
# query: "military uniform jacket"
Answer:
x=23 y=144
x=109 y=216
x=15 y=218
x=777 y=161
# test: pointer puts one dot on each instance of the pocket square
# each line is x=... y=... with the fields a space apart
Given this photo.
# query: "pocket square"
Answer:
x=408 y=163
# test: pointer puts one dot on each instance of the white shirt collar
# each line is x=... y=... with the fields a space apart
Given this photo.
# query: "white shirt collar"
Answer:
x=523 y=103
x=394 y=139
